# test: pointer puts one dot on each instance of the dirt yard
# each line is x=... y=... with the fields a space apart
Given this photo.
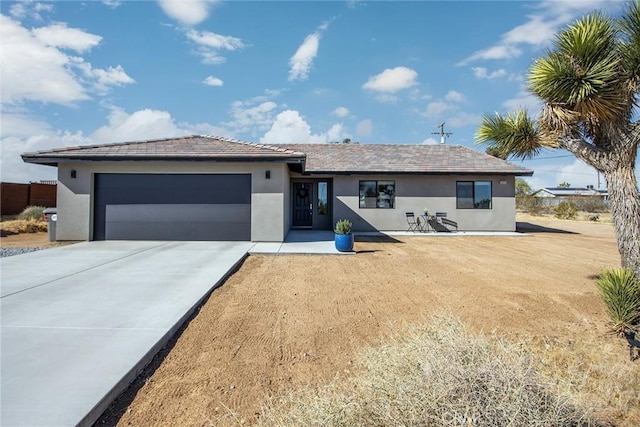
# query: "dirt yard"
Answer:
x=283 y=322
x=28 y=240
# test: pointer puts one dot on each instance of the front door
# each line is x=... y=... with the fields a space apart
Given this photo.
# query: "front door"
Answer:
x=302 y=204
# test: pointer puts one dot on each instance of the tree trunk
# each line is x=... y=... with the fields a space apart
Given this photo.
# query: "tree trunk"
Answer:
x=624 y=201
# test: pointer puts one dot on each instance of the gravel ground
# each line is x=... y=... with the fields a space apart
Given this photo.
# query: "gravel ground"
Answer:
x=4 y=252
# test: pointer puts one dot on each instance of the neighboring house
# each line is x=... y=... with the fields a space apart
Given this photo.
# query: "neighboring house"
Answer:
x=210 y=188
x=553 y=196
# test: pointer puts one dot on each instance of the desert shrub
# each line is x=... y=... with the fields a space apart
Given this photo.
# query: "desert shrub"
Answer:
x=566 y=210
x=436 y=375
x=20 y=226
x=620 y=291
x=35 y=213
x=593 y=204
x=532 y=205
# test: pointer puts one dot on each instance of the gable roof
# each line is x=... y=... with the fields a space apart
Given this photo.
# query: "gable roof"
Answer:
x=313 y=158
x=195 y=147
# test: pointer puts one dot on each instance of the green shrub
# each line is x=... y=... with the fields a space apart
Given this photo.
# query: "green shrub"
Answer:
x=620 y=291
x=343 y=227
x=35 y=213
x=436 y=375
x=566 y=210
x=530 y=204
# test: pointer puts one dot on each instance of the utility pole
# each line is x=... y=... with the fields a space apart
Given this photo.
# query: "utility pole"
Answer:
x=442 y=133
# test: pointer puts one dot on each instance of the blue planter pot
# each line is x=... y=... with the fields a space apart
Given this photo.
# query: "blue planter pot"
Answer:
x=344 y=242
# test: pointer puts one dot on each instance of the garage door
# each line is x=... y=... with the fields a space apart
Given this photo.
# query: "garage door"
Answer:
x=172 y=207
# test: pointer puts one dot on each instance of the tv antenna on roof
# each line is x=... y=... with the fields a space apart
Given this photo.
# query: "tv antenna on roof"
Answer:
x=442 y=133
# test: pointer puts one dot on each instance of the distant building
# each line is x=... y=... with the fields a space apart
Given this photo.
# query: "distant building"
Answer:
x=555 y=195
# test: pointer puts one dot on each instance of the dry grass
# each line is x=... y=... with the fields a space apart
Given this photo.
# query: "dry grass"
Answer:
x=440 y=374
x=20 y=226
x=600 y=372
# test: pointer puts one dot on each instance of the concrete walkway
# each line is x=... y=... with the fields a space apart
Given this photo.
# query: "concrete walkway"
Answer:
x=301 y=242
x=80 y=321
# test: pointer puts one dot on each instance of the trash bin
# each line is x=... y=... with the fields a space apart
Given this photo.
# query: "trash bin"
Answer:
x=51 y=216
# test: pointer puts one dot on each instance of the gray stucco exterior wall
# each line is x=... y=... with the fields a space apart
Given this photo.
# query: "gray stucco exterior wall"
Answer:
x=437 y=193
x=269 y=197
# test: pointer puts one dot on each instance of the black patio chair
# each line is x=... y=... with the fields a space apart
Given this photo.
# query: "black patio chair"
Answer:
x=414 y=223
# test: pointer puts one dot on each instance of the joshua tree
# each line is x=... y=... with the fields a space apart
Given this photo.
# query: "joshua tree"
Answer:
x=589 y=82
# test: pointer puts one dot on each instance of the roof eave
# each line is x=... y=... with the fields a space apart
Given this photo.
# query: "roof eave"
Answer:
x=54 y=161
x=374 y=172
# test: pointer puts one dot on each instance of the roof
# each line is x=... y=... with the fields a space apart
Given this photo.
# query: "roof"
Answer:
x=195 y=147
x=315 y=158
x=569 y=192
x=403 y=158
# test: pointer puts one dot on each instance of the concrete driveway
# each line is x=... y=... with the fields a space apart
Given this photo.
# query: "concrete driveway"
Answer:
x=80 y=321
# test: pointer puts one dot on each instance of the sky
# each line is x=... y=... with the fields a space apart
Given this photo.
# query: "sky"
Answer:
x=91 y=72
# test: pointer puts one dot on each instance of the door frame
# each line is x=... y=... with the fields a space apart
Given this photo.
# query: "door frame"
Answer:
x=318 y=221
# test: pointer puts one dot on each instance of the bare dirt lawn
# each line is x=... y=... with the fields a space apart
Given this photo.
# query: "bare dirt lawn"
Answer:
x=28 y=240
x=283 y=322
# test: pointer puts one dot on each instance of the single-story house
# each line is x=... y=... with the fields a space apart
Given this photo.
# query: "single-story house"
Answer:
x=212 y=188
x=552 y=196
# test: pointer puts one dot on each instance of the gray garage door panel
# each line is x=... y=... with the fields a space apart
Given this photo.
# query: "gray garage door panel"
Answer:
x=172 y=207
x=178 y=222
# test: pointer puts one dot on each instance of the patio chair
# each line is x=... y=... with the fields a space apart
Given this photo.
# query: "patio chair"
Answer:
x=414 y=223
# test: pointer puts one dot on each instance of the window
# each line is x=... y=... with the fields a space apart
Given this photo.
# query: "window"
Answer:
x=323 y=207
x=378 y=194
x=473 y=194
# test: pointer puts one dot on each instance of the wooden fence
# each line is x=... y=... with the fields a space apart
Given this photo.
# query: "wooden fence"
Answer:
x=16 y=197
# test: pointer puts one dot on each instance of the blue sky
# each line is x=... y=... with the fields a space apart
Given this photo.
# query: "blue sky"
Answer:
x=77 y=73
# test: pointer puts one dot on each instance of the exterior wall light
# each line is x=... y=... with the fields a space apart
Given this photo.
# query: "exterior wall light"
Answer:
x=267 y=174
x=73 y=173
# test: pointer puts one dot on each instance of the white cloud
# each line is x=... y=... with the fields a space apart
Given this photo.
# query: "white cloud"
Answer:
x=210 y=44
x=29 y=9
x=21 y=133
x=60 y=36
x=102 y=79
x=494 y=52
x=448 y=108
x=139 y=125
x=290 y=127
x=482 y=73
x=302 y=60
x=33 y=69
x=364 y=128
x=540 y=28
x=437 y=108
x=112 y=3
x=188 y=12
x=336 y=133
x=341 y=112
x=392 y=80
x=551 y=173
x=537 y=31
x=430 y=141
x=453 y=96
x=524 y=100
x=213 y=81
x=250 y=117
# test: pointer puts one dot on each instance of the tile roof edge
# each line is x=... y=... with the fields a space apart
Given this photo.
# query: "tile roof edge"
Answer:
x=253 y=144
x=108 y=144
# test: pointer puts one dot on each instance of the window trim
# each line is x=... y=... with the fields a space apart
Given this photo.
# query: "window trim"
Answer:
x=376 y=185
x=473 y=195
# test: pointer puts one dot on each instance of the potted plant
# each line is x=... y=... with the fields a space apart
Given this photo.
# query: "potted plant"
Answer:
x=343 y=236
